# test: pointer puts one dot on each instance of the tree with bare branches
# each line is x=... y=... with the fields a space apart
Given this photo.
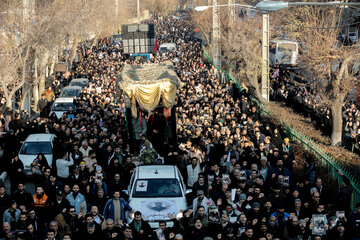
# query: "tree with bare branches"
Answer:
x=328 y=60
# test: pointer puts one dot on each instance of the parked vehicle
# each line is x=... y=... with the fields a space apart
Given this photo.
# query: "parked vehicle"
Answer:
x=33 y=145
x=157 y=191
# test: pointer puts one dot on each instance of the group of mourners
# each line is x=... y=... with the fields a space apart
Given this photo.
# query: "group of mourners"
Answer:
x=239 y=166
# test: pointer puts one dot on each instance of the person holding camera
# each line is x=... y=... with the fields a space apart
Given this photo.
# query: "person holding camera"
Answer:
x=62 y=166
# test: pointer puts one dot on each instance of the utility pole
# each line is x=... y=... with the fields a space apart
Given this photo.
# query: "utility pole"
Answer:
x=265 y=82
x=231 y=4
x=216 y=35
x=116 y=9
x=138 y=11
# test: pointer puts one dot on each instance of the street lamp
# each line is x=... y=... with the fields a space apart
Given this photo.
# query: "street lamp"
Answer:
x=203 y=8
x=271 y=6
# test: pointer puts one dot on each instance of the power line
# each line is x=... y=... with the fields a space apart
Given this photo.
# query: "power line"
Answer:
x=319 y=28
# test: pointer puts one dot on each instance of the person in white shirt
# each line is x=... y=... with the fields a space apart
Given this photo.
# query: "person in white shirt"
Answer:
x=63 y=164
x=193 y=171
x=85 y=148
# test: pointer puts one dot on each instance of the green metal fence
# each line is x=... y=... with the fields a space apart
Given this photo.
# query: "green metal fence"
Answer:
x=309 y=145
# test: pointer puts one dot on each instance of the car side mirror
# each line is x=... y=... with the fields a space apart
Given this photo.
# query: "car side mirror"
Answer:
x=188 y=191
x=125 y=191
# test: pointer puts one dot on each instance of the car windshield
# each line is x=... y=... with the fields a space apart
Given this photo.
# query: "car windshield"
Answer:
x=70 y=93
x=33 y=148
x=62 y=107
x=285 y=47
x=79 y=84
x=151 y=188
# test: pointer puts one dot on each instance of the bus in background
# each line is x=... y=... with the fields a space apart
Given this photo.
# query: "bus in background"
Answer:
x=284 y=53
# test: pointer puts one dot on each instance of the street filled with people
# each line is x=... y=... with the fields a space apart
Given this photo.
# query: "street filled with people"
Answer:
x=238 y=165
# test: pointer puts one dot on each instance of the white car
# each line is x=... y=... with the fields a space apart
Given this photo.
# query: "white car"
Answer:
x=157 y=191
x=33 y=145
x=79 y=82
x=61 y=105
x=168 y=47
x=70 y=92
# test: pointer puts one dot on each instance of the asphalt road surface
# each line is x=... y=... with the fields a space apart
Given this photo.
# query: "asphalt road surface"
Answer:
x=29 y=186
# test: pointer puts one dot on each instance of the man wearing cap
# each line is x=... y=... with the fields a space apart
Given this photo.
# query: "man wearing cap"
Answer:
x=60 y=204
x=75 y=176
x=276 y=197
x=339 y=232
x=201 y=200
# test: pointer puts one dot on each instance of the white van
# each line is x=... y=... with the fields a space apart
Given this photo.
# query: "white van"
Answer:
x=168 y=47
x=157 y=191
x=61 y=106
x=33 y=145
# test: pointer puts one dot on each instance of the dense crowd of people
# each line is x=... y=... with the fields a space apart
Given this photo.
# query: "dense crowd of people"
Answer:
x=305 y=100
x=239 y=167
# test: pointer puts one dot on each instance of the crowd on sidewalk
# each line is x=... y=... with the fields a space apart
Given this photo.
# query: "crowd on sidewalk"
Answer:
x=304 y=99
x=239 y=167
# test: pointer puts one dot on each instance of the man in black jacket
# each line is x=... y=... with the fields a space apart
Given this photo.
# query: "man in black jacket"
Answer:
x=22 y=197
x=60 y=204
x=140 y=228
x=166 y=232
x=56 y=86
x=42 y=104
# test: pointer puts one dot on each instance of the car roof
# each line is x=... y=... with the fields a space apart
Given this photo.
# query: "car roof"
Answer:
x=64 y=100
x=79 y=80
x=39 y=137
x=156 y=171
x=168 y=45
x=72 y=88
